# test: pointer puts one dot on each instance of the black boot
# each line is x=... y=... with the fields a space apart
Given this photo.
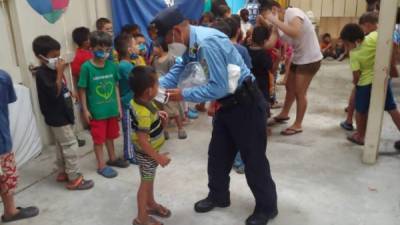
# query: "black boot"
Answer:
x=208 y=204
x=260 y=218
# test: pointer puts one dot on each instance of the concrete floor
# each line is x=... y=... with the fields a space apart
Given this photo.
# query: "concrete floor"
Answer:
x=319 y=175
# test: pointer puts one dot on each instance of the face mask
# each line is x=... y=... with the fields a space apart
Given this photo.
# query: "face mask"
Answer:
x=134 y=56
x=162 y=96
x=176 y=49
x=101 y=54
x=142 y=48
x=51 y=62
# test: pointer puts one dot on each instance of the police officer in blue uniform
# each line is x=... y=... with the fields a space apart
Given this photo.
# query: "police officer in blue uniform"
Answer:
x=240 y=123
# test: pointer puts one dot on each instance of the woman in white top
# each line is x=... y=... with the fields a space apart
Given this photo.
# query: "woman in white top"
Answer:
x=298 y=31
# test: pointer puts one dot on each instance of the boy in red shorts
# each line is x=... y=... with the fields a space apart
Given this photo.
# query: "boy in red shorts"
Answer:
x=99 y=94
x=8 y=170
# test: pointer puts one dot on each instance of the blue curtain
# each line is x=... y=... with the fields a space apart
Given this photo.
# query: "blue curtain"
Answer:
x=236 y=5
x=142 y=12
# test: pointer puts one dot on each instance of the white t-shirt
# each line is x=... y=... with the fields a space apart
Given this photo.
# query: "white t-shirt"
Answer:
x=306 y=47
x=245 y=26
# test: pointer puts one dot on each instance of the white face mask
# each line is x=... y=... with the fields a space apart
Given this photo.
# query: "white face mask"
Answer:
x=162 y=96
x=176 y=49
x=52 y=62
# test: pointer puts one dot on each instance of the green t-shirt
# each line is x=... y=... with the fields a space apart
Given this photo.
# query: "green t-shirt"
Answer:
x=125 y=69
x=362 y=59
x=100 y=84
x=146 y=119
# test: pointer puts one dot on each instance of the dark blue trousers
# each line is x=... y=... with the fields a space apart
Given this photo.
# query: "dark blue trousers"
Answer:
x=241 y=127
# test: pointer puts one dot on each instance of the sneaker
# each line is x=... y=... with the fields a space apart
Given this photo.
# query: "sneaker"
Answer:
x=182 y=134
x=347 y=126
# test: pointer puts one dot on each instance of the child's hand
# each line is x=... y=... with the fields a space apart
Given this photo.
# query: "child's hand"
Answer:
x=163 y=159
x=87 y=116
x=60 y=66
x=211 y=111
x=164 y=117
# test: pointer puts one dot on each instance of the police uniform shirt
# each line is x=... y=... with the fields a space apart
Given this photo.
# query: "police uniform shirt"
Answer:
x=215 y=52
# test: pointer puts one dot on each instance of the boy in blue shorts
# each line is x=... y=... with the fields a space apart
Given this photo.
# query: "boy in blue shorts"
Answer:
x=148 y=138
x=362 y=60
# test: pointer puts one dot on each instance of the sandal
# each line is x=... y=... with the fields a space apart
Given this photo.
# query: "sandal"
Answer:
x=80 y=184
x=281 y=120
x=355 y=140
x=23 y=213
x=182 y=134
x=62 y=177
x=107 y=172
x=347 y=126
x=120 y=163
x=276 y=105
x=150 y=221
x=290 y=132
x=160 y=211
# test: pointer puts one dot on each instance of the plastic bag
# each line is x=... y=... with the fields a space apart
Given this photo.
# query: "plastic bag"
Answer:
x=192 y=76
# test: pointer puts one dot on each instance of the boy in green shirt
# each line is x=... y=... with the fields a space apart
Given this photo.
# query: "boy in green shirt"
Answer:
x=362 y=60
x=148 y=138
x=99 y=93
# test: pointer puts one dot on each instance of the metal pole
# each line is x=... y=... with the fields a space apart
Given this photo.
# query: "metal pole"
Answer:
x=387 y=17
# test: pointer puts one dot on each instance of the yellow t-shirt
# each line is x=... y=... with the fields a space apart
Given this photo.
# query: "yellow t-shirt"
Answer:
x=140 y=61
x=362 y=59
x=146 y=119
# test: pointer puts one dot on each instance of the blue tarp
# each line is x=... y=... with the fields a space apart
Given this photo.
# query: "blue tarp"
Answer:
x=142 y=12
x=236 y=5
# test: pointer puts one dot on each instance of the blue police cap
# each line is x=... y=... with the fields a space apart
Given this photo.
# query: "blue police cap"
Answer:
x=166 y=20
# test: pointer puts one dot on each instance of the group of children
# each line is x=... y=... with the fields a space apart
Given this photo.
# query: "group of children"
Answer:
x=361 y=41
x=117 y=82
x=329 y=49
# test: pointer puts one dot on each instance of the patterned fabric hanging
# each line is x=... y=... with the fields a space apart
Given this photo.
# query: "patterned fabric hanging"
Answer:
x=51 y=10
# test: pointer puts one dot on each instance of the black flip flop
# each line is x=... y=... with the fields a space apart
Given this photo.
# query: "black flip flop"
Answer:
x=23 y=213
x=281 y=120
x=290 y=132
x=118 y=163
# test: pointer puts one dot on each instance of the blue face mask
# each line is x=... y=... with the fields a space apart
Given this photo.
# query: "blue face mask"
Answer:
x=100 y=54
x=142 y=48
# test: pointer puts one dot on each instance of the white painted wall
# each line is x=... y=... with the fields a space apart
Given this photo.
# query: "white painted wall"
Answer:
x=27 y=25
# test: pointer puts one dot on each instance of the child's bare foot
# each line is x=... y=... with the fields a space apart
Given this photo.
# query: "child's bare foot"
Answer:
x=159 y=210
x=356 y=139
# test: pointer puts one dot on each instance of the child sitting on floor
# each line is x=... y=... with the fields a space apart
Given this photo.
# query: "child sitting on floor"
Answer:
x=362 y=60
x=326 y=46
x=148 y=138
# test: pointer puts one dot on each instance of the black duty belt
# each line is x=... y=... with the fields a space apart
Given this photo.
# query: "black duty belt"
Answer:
x=245 y=94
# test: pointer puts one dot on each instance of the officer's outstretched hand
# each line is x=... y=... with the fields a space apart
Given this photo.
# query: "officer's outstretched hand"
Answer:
x=175 y=95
